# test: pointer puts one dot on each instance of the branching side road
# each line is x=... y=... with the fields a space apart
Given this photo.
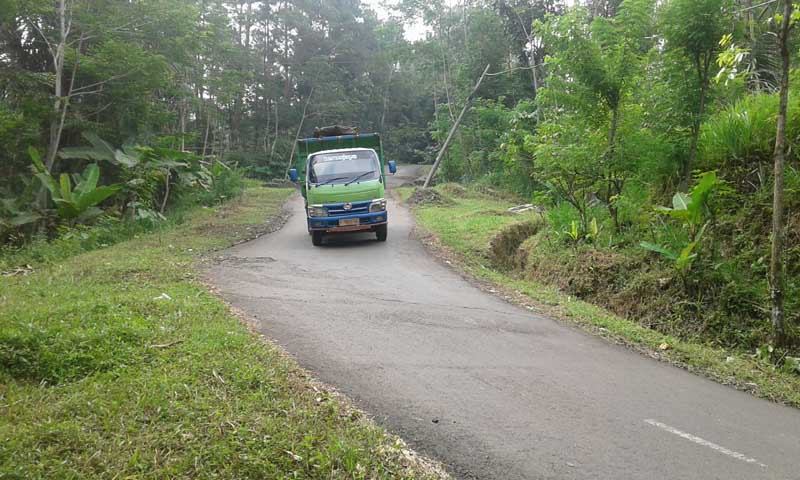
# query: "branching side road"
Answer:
x=491 y=389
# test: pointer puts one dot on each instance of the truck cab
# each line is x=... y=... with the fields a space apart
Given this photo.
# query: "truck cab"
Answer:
x=343 y=182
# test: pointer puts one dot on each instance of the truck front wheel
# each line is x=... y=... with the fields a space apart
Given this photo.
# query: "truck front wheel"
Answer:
x=381 y=231
x=316 y=238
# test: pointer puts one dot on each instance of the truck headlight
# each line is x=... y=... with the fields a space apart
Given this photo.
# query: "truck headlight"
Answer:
x=378 y=205
x=317 y=211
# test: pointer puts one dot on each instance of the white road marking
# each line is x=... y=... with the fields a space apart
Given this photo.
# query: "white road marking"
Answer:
x=705 y=443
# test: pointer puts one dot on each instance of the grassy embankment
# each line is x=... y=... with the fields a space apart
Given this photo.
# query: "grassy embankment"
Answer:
x=118 y=363
x=463 y=227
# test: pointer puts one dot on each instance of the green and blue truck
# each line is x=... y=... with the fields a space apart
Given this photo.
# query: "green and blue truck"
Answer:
x=343 y=182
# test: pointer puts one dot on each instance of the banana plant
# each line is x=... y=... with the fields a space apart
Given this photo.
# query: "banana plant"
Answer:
x=143 y=167
x=594 y=231
x=684 y=259
x=78 y=203
x=101 y=151
x=573 y=233
x=690 y=209
x=12 y=215
x=18 y=210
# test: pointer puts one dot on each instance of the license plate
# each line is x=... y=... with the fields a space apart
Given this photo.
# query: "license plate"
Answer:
x=348 y=222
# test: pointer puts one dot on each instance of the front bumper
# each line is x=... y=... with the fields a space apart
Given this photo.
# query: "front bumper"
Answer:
x=366 y=221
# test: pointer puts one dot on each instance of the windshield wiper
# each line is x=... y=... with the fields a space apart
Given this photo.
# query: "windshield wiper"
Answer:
x=358 y=177
x=329 y=181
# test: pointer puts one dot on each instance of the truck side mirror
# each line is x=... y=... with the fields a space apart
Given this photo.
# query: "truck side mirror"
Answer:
x=293 y=174
x=392 y=167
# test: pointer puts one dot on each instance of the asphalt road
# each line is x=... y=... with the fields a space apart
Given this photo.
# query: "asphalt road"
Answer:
x=488 y=388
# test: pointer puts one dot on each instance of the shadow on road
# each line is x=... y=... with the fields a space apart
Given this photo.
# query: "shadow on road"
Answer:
x=351 y=240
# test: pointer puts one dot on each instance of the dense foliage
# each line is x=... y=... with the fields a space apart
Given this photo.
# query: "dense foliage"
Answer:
x=645 y=128
x=650 y=140
x=159 y=97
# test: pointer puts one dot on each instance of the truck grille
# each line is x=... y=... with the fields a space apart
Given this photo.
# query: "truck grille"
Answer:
x=356 y=208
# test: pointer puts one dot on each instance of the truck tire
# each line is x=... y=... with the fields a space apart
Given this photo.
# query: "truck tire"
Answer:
x=316 y=238
x=381 y=231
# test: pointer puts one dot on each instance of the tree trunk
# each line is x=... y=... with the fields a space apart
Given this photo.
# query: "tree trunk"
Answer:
x=274 y=140
x=183 y=107
x=447 y=92
x=751 y=23
x=702 y=75
x=444 y=77
x=268 y=115
x=236 y=119
x=611 y=182
x=205 y=137
x=776 y=264
x=266 y=78
x=435 y=105
x=386 y=98
x=166 y=191
x=287 y=83
x=612 y=130
x=59 y=105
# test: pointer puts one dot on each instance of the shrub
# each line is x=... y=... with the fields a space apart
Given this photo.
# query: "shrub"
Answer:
x=225 y=183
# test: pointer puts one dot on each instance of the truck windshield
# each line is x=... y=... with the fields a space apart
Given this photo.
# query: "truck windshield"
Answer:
x=343 y=167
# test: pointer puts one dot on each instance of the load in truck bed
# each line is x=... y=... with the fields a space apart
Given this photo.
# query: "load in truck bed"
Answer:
x=334 y=131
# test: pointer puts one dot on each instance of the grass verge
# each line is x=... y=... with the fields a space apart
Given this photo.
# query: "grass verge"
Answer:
x=460 y=231
x=118 y=363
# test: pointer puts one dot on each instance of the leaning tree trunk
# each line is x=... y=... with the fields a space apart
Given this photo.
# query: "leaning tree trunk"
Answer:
x=776 y=265
x=443 y=151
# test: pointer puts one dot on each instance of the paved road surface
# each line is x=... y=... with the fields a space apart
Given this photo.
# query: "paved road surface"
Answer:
x=490 y=389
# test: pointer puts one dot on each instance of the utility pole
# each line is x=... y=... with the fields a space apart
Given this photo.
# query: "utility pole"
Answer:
x=442 y=152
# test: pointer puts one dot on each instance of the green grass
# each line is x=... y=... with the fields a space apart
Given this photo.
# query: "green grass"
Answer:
x=469 y=224
x=118 y=363
x=465 y=229
x=403 y=192
x=472 y=223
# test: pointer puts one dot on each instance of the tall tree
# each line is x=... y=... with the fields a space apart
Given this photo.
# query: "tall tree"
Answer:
x=779 y=157
x=594 y=70
x=694 y=28
x=518 y=17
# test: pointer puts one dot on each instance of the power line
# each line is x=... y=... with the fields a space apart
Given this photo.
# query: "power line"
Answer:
x=756 y=6
x=512 y=70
